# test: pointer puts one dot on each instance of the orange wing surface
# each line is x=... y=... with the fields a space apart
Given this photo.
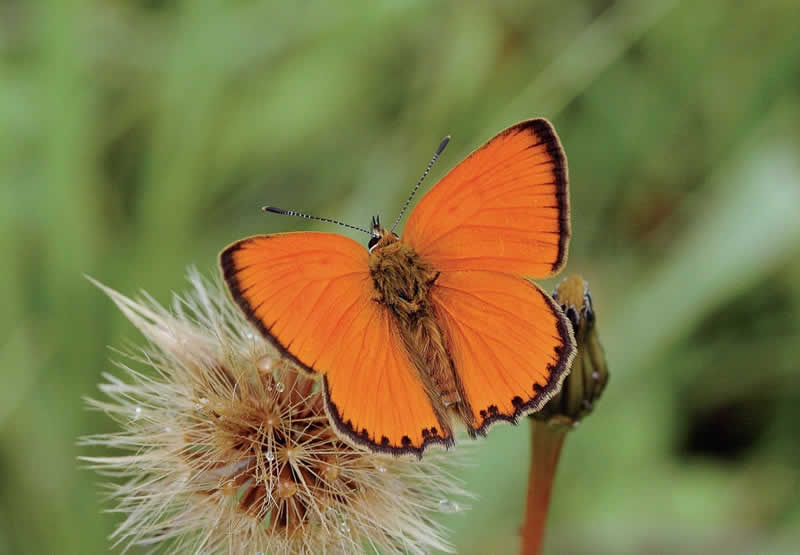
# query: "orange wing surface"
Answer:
x=510 y=343
x=504 y=208
x=311 y=295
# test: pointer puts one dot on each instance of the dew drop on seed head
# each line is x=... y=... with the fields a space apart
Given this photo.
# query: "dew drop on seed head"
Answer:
x=270 y=456
x=137 y=413
x=381 y=469
x=447 y=506
x=344 y=528
x=279 y=387
x=265 y=363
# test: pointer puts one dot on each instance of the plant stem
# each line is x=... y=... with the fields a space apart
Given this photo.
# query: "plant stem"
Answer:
x=546 y=442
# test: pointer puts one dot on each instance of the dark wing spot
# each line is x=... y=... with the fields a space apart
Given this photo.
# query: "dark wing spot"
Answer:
x=349 y=424
x=492 y=409
x=483 y=414
x=537 y=388
x=434 y=431
x=406 y=441
x=384 y=440
x=517 y=402
x=426 y=433
x=364 y=433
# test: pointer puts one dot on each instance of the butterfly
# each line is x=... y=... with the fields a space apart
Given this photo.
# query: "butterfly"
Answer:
x=435 y=325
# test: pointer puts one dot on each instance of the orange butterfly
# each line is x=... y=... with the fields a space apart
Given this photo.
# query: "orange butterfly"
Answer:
x=440 y=320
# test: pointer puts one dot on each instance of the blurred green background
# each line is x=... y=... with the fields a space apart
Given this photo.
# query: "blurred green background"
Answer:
x=139 y=138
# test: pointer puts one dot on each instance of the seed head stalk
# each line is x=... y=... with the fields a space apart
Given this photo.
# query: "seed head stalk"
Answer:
x=546 y=443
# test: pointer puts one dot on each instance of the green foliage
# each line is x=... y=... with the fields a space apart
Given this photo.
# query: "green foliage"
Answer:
x=142 y=137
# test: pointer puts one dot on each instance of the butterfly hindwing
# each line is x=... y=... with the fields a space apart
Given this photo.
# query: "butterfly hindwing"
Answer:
x=510 y=343
x=374 y=396
x=311 y=295
x=504 y=208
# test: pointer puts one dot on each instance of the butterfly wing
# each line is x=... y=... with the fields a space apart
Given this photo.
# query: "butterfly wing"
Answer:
x=504 y=208
x=509 y=342
x=310 y=294
x=501 y=213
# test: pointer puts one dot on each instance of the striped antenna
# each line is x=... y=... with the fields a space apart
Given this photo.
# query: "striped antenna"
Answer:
x=276 y=210
x=421 y=179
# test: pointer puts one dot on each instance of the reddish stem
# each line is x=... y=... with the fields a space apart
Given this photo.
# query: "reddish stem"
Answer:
x=546 y=442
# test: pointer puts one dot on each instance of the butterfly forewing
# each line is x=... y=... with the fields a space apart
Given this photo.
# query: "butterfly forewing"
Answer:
x=504 y=208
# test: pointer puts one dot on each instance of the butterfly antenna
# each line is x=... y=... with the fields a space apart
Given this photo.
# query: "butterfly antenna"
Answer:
x=421 y=179
x=276 y=210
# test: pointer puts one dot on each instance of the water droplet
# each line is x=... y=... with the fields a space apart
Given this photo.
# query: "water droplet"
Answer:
x=344 y=528
x=203 y=401
x=198 y=406
x=330 y=473
x=168 y=429
x=286 y=489
x=447 y=506
x=381 y=469
x=265 y=363
x=270 y=456
x=595 y=375
x=576 y=423
x=137 y=413
x=279 y=387
x=249 y=335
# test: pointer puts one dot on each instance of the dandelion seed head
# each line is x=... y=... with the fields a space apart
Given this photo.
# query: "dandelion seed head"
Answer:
x=229 y=448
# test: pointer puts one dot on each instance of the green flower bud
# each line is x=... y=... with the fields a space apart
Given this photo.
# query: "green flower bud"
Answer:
x=589 y=373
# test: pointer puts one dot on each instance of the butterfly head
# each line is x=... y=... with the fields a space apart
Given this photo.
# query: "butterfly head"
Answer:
x=380 y=235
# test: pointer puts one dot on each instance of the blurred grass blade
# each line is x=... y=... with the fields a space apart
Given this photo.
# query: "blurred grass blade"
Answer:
x=603 y=42
x=746 y=226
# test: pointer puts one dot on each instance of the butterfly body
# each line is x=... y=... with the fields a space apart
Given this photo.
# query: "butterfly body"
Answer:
x=402 y=281
x=438 y=321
